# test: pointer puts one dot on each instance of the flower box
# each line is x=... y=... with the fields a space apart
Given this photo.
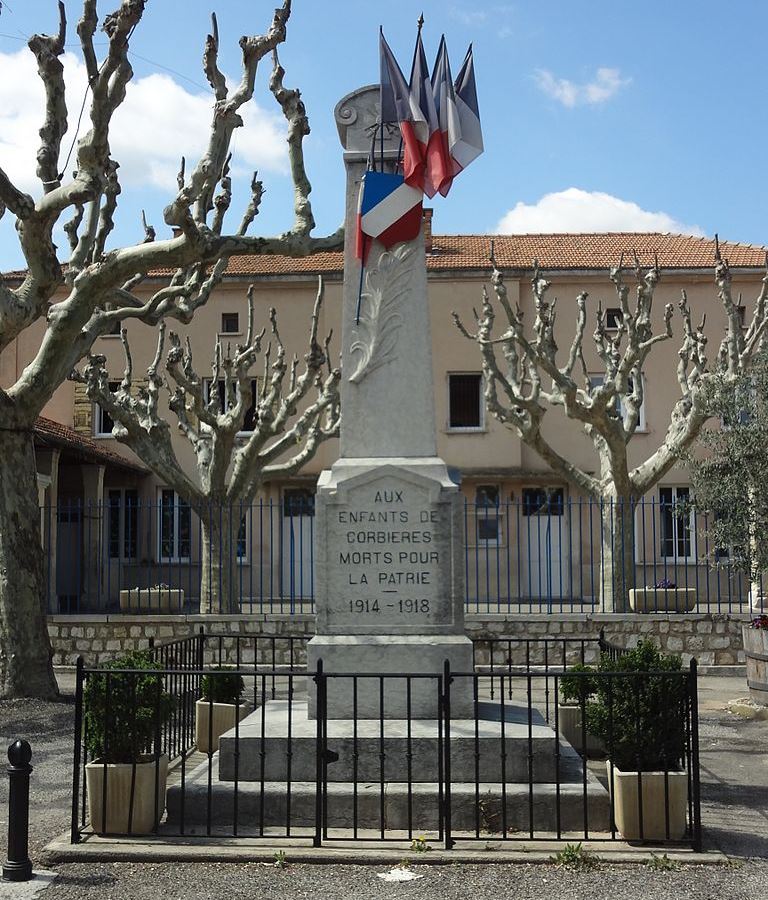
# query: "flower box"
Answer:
x=755 y=639
x=669 y=599
x=214 y=719
x=658 y=790
x=569 y=726
x=158 y=599
x=128 y=785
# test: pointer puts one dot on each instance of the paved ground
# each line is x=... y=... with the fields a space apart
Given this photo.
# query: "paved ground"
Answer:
x=735 y=812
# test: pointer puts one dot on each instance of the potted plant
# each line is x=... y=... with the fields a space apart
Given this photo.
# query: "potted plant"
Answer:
x=576 y=688
x=219 y=707
x=664 y=596
x=123 y=714
x=642 y=722
x=755 y=637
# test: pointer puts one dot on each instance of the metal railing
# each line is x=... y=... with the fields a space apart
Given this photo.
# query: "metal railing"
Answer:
x=519 y=557
x=471 y=755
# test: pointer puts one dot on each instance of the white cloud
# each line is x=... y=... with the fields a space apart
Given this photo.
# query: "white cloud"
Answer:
x=158 y=122
x=606 y=84
x=468 y=17
x=574 y=210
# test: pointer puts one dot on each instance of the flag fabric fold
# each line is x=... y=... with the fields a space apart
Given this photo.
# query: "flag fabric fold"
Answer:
x=447 y=113
x=389 y=211
x=470 y=143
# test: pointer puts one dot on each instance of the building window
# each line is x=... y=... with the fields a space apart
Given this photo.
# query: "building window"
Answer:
x=174 y=527
x=116 y=329
x=487 y=498
x=676 y=524
x=251 y=417
x=103 y=423
x=123 y=523
x=614 y=318
x=595 y=381
x=230 y=323
x=543 y=501
x=465 y=401
x=741 y=311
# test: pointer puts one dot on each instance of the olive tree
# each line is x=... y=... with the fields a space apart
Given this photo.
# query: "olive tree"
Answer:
x=99 y=287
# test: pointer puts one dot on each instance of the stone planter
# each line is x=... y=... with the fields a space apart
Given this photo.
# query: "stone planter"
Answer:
x=650 y=600
x=207 y=726
x=152 y=600
x=756 y=653
x=119 y=789
x=569 y=726
x=626 y=806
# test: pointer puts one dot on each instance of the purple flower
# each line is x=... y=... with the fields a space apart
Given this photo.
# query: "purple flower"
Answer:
x=665 y=583
x=760 y=622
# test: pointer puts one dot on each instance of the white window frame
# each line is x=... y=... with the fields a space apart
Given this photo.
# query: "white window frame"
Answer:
x=175 y=558
x=255 y=382
x=99 y=413
x=487 y=513
x=675 y=558
x=238 y=330
x=597 y=378
x=467 y=429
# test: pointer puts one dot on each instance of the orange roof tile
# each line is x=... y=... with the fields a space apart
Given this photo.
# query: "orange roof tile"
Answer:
x=554 y=251
x=47 y=431
x=469 y=252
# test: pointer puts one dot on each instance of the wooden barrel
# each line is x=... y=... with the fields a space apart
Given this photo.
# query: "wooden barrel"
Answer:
x=756 y=651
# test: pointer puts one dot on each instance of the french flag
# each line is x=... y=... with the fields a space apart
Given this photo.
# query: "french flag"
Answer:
x=468 y=143
x=447 y=112
x=389 y=211
x=435 y=164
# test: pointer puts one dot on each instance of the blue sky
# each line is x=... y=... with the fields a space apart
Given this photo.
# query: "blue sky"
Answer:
x=597 y=115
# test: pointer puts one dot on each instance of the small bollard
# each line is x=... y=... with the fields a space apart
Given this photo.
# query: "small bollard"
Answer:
x=18 y=866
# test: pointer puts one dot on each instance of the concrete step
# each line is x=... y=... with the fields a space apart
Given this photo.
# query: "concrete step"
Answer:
x=488 y=807
x=278 y=742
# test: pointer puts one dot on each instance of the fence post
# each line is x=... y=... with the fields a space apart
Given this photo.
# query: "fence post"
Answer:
x=693 y=694
x=76 y=756
x=18 y=866
x=322 y=712
x=446 y=711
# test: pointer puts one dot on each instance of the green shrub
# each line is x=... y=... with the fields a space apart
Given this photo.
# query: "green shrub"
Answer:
x=576 y=685
x=123 y=711
x=224 y=687
x=641 y=720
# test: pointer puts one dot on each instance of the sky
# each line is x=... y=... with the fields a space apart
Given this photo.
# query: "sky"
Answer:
x=599 y=115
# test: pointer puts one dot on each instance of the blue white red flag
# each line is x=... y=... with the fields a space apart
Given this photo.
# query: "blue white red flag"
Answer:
x=427 y=166
x=389 y=212
x=447 y=112
x=469 y=144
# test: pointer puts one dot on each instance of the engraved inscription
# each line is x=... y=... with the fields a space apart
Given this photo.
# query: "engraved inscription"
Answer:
x=391 y=558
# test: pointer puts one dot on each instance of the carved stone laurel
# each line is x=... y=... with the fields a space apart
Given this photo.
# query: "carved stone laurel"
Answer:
x=380 y=320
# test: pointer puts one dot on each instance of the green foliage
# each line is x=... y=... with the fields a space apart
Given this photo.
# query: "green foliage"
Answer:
x=419 y=844
x=729 y=471
x=641 y=720
x=574 y=856
x=281 y=860
x=123 y=711
x=225 y=686
x=575 y=684
x=662 y=863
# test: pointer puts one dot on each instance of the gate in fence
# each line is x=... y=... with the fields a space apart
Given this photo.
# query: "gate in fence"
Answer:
x=281 y=760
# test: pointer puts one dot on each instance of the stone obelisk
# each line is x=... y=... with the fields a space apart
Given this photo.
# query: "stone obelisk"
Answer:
x=389 y=583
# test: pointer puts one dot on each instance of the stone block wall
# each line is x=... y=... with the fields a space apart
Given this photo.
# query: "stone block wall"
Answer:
x=714 y=640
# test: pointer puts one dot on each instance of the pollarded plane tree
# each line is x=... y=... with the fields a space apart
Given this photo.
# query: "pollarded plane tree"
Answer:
x=290 y=413
x=535 y=376
x=101 y=287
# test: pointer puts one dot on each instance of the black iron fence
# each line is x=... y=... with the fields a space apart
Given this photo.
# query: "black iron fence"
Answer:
x=540 y=554
x=495 y=754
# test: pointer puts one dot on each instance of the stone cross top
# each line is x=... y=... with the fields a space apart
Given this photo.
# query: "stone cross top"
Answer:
x=389 y=574
x=387 y=391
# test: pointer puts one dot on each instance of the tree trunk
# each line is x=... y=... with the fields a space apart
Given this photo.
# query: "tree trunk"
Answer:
x=217 y=581
x=617 y=560
x=25 y=648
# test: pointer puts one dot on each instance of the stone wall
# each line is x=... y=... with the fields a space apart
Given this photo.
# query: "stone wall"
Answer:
x=712 y=639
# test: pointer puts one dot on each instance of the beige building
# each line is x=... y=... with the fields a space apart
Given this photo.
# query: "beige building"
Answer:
x=532 y=541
